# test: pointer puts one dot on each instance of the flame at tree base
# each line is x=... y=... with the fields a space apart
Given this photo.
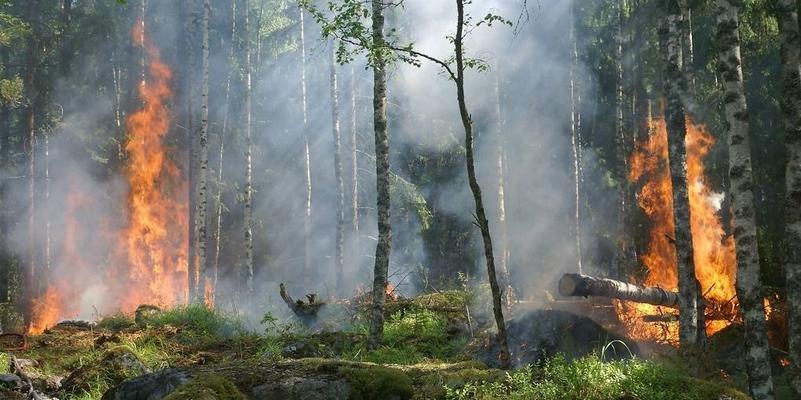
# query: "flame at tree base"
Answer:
x=713 y=250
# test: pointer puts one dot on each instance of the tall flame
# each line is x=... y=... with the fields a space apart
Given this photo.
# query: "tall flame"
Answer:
x=156 y=239
x=148 y=259
x=713 y=250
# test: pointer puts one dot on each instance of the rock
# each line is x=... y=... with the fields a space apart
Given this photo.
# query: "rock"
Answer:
x=300 y=349
x=153 y=386
x=300 y=388
x=207 y=387
x=541 y=334
x=73 y=325
x=10 y=381
x=145 y=311
x=116 y=366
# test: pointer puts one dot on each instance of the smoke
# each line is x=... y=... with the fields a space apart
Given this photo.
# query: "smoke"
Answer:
x=529 y=69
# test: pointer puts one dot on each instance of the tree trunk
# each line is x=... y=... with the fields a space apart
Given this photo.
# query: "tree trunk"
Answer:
x=66 y=45
x=583 y=285
x=687 y=44
x=30 y=149
x=215 y=270
x=187 y=76
x=748 y=284
x=354 y=161
x=691 y=330
x=622 y=152
x=481 y=217
x=506 y=280
x=574 y=135
x=384 y=245
x=203 y=174
x=307 y=215
x=248 y=195
x=791 y=118
x=340 y=181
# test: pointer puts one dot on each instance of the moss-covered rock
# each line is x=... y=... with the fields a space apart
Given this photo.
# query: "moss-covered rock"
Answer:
x=376 y=382
x=207 y=387
x=117 y=365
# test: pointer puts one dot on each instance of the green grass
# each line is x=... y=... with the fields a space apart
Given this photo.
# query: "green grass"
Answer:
x=591 y=379
x=198 y=323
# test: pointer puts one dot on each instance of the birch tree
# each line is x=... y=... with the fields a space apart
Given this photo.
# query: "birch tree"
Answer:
x=202 y=178
x=691 y=328
x=248 y=192
x=791 y=119
x=748 y=284
x=339 y=257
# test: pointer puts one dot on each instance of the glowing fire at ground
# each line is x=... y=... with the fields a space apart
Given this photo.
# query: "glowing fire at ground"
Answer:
x=714 y=251
x=148 y=259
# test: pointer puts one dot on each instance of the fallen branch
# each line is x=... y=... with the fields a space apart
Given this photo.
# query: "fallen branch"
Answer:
x=299 y=307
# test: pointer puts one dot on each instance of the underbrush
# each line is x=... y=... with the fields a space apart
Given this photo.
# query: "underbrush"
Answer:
x=591 y=378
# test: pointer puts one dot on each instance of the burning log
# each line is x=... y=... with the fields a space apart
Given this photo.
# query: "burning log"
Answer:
x=299 y=307
x=583 y=285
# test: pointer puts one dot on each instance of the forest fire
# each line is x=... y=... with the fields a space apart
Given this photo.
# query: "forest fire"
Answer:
x=714 y=251
x=147 y=261
x=155 y=241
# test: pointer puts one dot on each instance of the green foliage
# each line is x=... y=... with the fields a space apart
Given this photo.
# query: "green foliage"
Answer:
x=408 y=197
x=198 y=322
x=410 y=337
x=591 y=379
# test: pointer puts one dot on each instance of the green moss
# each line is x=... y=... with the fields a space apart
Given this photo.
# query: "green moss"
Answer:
x=207 y=387
x=376 y=382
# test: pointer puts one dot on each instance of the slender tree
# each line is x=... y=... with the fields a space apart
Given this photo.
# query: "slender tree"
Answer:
x=30 y=83
x=307 y=215
x=384 y=245
x=248 y=194
x=748 y=284
x=203 y=173
x=340 y=180
x=354 y=165
x=691 y=312
x=500 y=167
x=791 y=118
x=218 y=212
x=575 y=144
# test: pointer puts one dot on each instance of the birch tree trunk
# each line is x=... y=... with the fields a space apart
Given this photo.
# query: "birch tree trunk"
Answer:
x=791 y=118
x=307 y=222
x=340 y=181
x=481 y=216
x=384 y=245
x=354 y=161
x=215 y=271
x=500 y=165
x=621 y=147
x=574 y=135
x=748 y=284
x=248 y=195
x=202 y=179
x=691 y=312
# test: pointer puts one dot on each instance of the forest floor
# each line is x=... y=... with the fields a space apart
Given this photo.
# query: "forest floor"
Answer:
x=194 y=353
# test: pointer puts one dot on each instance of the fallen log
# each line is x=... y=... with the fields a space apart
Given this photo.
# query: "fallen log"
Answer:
x=583 y=285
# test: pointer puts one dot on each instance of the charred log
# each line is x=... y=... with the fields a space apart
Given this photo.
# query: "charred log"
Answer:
x=583 y=285
x=304 y=310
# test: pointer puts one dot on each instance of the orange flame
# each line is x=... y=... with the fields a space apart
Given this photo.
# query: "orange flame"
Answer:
x=156 y=239
x=149 y=260
x=713 y=250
